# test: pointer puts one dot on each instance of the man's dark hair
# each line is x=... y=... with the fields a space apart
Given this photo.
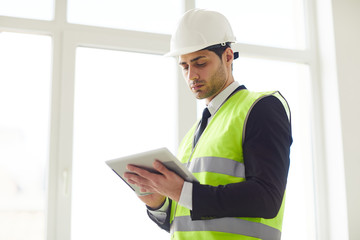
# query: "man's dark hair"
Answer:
x=218 y=49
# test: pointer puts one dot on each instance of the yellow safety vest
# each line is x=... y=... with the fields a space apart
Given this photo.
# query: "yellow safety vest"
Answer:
x=217 y=159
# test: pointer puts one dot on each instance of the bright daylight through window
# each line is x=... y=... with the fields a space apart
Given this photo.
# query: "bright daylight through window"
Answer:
x=276 y=23
x=107 y=126
x=24 y=134
x=150 y=17
x=34 y=9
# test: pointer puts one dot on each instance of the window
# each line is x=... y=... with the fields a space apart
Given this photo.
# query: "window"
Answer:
x=36 y=9
x=277 y=23
x=24 y=134
x=139 y=15
x=119 y=110
x=54 y=123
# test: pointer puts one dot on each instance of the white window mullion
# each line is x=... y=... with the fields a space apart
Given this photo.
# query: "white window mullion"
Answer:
x=280 y=54
x=186 y=107
x=188 y=4
x=117 y=39
x=61 y=139
x=60 y=11
x=54 y=139
x=64 y=171
x=320 y=185
x=21 y=25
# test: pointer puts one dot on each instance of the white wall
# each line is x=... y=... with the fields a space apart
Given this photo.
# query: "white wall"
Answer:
x=346 y=19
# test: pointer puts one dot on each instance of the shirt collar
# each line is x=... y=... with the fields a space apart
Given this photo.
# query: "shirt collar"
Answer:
x=219 y=99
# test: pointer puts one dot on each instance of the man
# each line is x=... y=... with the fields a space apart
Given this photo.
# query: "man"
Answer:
x=239 y=151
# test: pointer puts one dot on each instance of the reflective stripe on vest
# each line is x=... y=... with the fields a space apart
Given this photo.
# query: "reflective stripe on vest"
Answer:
x=227 y=225
x=217 y=165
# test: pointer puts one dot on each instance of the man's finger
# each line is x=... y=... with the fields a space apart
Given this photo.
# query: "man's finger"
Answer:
x=135 y=178
x=161 y=168
x=139 y=171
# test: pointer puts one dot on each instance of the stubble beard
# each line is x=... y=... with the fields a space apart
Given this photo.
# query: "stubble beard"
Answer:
x=215 y=84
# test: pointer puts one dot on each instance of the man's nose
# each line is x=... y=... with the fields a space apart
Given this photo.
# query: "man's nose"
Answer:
x=192 y=74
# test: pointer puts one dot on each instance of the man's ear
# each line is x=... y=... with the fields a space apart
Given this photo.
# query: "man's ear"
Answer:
x=229 y=55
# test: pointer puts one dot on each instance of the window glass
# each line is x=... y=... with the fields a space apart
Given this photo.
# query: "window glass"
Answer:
x=276 y=23
x=293 y=82
x=36 y=9
x=158 y=16
x=124 y=104
x=25 y=79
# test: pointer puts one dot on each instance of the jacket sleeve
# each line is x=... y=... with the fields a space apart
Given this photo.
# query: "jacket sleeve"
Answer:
x=266 y=150
x=164 y=225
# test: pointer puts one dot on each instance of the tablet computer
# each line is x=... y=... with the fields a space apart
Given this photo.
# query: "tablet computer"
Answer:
x=145 y=160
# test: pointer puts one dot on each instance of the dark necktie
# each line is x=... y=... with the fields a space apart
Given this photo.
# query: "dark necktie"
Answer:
x=206 y=114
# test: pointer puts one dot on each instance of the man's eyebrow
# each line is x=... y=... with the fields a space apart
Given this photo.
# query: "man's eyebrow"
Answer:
x=192 y=60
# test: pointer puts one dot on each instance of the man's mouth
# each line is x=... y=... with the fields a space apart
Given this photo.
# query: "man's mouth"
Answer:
x=196 y=86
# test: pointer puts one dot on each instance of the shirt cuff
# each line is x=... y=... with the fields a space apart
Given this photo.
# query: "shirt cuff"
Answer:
x=186 y=195
x=160 y=214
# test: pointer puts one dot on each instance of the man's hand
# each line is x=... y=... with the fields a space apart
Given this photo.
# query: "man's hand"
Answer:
x=165 y=184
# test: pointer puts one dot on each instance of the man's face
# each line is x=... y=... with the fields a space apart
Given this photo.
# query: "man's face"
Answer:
x=205 y=73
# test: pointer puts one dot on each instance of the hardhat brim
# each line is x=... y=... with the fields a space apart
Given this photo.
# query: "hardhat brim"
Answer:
x=184 y=51
x=234 y=46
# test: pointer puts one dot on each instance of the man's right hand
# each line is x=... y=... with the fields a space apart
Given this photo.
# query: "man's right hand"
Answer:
x=164 y=184
x=154 y=200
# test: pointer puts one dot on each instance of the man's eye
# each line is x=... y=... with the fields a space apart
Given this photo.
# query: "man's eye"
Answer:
x=200 y=64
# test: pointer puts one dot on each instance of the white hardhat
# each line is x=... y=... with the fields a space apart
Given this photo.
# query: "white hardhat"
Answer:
x=199 y=29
